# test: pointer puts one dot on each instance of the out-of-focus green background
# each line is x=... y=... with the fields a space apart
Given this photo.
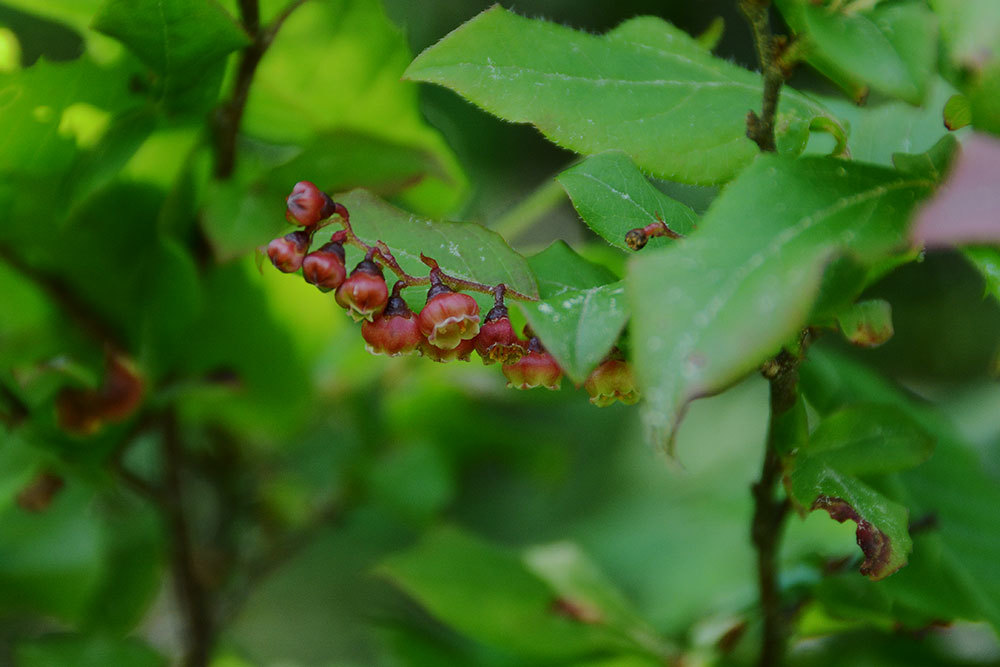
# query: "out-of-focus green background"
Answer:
x=308 y=462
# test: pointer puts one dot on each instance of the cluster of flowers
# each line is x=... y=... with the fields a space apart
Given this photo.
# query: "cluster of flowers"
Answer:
x=447 y=327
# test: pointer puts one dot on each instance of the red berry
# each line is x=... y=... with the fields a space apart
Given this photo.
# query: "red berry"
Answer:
x=364 y=294
x=324 y=268
x=497 y=341
x=612 y=381
x=535 y=369
x=462 y=351
x=287 y=252
x=449 y=317
x=307 y=205
x=395 y=332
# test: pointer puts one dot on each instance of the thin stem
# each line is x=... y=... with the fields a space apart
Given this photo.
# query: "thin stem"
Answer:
x=191 y=592
x=770 y=509
x=381 y=252
x=761 y=128
x=230 y=115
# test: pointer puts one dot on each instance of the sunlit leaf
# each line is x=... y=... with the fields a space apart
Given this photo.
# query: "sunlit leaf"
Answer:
x=183 y=41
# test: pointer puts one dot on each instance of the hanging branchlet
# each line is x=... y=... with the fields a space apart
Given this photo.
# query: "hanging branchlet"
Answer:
x=637 y=238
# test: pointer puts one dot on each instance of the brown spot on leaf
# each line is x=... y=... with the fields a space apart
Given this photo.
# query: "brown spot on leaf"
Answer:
x=875 y=544
x=576 y=610
x=83 y=411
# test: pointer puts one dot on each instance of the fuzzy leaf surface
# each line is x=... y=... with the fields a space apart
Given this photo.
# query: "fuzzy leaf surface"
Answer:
x=646 y=88
x=710 y=309
x=890 y=46
x=613 y=196
x=560 y=269
x=463 y=249
x=579 y=327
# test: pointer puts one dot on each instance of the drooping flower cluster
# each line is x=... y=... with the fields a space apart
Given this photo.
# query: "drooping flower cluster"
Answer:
x=448 y=326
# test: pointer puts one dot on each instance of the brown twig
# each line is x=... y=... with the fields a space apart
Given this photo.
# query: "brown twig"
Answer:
x=761 y=128
x=770 y=511
x=230 y=115
x=191 y=591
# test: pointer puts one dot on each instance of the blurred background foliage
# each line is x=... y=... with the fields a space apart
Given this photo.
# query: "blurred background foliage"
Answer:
x=298 y=502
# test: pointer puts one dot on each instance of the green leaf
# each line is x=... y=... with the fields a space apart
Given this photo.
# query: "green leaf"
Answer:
x=184 y=41
x=932 y=164
x=578 y=580
x=952 y=567
x=242 y=213
x=34 y=103
x=579 y=327
x=971 y=32
x=987 y=260
x=85 y=651
x=861 y=440
x=868 y=439
x=890 y=46
x=336 y=66
x=612 y=196
x=957 y=113
x=50 y=563
x=512 y=608
x=710 y=309
x=879 y=131
x=559 y=269
x=463 y=249
x=867 y=323
x=645 y=88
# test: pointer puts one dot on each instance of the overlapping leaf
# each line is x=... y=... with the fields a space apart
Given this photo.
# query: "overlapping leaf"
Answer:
x=527 y=611
x=645 y=88
x=952 y=565
x=335 y=66
x=463 y=249
x=613 y=196
x=184 y=41
x=713 y=307
x=861 y=440
x=890 y=46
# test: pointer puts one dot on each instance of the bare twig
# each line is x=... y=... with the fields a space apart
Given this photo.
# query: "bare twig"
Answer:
x=191 y=591
x=230 y=115
x=761 y=128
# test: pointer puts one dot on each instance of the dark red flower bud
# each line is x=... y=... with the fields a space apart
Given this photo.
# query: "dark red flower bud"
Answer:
x=307 y=205
x=449 y=317
x=395 y=332
x=324 y=268
x=537 y=368
x=364 y=294
x=462 y=352
x=497 y=341
x=287 y=252
x=612 y=381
